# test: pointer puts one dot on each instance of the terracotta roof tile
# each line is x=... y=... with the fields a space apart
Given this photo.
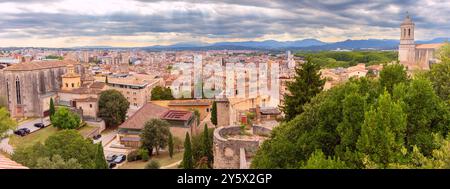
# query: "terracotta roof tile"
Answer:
x=430 y=46
x=37 y=65
x=147 y=112
x=6 y=163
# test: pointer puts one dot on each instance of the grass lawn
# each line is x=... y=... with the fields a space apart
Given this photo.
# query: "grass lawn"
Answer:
x=163 y=160
x=39 y=136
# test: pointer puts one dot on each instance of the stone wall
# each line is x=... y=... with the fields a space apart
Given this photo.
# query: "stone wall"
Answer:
x=227 y=151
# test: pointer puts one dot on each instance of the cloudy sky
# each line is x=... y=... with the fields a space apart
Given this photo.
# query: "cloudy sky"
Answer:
x=68 y=23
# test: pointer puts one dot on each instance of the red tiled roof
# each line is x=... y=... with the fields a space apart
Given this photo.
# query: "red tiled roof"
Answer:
x=97 y=85
x=177 y=115
x=430 y=46
x=147 y=112
x=190 y=103
x=6 y=163
x=37 y=65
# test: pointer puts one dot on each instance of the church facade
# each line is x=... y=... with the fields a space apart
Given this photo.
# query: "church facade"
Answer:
x=415 y=56
x=29 y=86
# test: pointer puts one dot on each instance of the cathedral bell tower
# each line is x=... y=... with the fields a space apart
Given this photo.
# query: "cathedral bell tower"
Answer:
x=406 y=51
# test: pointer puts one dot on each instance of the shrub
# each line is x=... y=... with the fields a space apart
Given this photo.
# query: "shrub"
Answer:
x=153 y=164
x=143 y=153
x=133 y=156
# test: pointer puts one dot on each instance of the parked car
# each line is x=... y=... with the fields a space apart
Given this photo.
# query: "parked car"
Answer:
x=111 y=165
x=96 y=137
x=120 y=158
x=111 y=158
x=39 y=125
x=22 y=131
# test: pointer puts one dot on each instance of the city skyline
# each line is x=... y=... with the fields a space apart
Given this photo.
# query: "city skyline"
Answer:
x=138 y=23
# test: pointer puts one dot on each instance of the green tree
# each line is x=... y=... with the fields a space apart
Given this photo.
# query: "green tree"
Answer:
x=171 y=145
x=52 y=108
x=153 y=164
x=318 y=160
x=392 y=74
x=57 y=162
x=112 y=107
x=6 y=123
x=161 y=93
x=100 y=161
x=383 y=132
x=214 y=113
x=307 y=83
x=197 y=117
x=68 y=144
x=353 y=107
x=144 y=154
x=65 y=119
x=427 y=114
x=187 y=156
x=443 y=53
x=71 y=144
x=207 y=145
x=155 y=135
x=440 y=78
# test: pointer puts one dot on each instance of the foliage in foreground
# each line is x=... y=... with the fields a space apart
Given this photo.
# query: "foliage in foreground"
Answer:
x=65 y=149
x=365 y=123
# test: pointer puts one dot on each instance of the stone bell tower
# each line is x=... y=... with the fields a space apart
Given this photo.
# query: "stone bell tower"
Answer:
x=407 y=47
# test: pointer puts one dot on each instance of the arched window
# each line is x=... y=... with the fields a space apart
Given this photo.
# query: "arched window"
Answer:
x=67 y=85
x=409 y=32
x=18 y=91
x=73 y=85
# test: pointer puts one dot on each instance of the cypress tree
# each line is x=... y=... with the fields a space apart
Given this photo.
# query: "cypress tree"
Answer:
x=52 y=108
x=170 y=145
x=214 y=114
x=187 y=157
x=307 y=83
x=100 y=161
x=207 y=145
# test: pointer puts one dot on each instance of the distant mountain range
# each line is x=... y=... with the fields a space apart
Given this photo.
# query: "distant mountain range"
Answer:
x=306 y=44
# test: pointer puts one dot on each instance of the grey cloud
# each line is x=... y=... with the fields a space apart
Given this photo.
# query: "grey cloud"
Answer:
x=309 y=14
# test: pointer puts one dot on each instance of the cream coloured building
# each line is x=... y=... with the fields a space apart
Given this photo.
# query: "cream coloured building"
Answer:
x=136 y=88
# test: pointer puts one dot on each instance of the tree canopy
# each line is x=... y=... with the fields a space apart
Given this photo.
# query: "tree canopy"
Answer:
x=161 y=93
x=112 y=107
x=6 y=123
x=155 y=135
x=390 y=122
x=307 y=83
x=73 y=149
x=65 y=119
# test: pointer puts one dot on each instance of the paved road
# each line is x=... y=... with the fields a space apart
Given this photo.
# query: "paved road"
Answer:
x=107 y=137
x=30 y=124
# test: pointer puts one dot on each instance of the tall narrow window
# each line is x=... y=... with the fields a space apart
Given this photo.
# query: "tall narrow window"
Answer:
x=404 y=32
x=18 y=95
x=409 y=32
x=7 y=90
